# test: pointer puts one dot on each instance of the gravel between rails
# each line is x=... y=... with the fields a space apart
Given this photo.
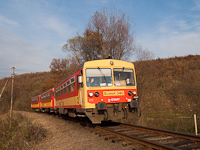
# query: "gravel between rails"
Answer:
x=66 y=135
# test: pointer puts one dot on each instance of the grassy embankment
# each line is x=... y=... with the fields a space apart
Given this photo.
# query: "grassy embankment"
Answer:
x=22 y=134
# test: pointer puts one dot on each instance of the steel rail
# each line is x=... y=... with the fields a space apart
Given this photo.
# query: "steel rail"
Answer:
x=166 y=132
x=136 y=139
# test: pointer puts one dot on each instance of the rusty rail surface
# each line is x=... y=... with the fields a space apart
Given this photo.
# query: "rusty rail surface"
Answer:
x=141 y=137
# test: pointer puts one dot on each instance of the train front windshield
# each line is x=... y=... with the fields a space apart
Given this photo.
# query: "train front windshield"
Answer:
x=99 y=77
x=103 y=77
x=124 y=77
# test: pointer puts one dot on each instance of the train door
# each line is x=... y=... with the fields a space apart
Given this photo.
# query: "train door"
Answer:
x=80 y=98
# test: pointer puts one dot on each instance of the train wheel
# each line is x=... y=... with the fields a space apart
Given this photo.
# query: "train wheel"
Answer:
x=105 y=115
x=125 y=113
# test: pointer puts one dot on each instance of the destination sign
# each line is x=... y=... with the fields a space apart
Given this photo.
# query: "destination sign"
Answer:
x=113 y=93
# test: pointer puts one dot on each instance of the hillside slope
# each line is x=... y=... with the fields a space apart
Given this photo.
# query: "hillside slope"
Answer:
x=167 y=88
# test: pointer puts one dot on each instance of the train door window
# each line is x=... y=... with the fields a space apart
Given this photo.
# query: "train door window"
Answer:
x=78 y=85
x=64 y=89
x=72 y=84
x=68 y=86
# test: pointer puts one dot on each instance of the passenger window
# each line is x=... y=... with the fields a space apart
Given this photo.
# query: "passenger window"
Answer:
x=64 y=89
x=61 y=90
x=68 y=86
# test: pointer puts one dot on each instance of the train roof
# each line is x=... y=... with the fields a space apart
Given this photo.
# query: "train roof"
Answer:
x=108 y=62
x=35 y=96
x=46 y=91
x=68 y=76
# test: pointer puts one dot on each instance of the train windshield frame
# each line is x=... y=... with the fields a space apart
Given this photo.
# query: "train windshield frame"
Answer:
x=123 y=77
x=98 y=77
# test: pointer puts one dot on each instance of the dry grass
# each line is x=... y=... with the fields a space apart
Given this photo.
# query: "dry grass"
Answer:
x=22 y=134
x=173 y=121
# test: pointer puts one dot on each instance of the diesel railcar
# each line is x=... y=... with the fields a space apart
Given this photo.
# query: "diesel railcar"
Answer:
x=101 y=90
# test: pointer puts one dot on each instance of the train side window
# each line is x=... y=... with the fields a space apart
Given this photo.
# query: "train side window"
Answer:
x=56 y=92
x=61 y=90
x=64 y=88
x=72 y=84
x=68 y=86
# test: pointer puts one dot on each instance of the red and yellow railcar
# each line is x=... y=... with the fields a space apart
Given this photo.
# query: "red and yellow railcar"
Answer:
x=35 y=103
x=101 y=90
x=66 y=94
x=47 y=101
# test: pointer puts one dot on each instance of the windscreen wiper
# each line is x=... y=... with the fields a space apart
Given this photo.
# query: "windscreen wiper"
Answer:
x=103 y=75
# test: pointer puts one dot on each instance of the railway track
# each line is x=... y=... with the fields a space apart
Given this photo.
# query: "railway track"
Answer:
x=139 y=137
x=148 y=138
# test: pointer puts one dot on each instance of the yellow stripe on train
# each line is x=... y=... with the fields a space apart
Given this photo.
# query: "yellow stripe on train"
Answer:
x=46 y=104
x=34 y=105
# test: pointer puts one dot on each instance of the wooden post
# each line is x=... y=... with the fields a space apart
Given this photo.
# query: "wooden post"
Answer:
x=195 y=124
x=12 y=95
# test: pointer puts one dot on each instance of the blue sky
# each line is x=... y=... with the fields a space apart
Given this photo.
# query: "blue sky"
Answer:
x=32 y=32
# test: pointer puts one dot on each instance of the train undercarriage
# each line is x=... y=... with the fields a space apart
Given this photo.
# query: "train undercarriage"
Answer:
x=101 y=112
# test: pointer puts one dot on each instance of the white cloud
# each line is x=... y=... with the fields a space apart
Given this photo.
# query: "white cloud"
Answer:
x=4 y=20
x=21 y=53
x=197 y=5
x=54 y=24
x=170 y=45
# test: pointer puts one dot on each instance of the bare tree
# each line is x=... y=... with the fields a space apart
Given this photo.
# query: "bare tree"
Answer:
x=108 y=33
x=143 y=54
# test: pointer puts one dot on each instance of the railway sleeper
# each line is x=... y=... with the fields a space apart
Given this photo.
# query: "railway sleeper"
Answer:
x=111 y=137
x=117 y=140
x=185 y=142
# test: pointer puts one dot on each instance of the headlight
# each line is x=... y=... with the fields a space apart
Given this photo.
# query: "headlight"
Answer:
x=90 y=94
x=129 y=93
x=96 y=94
x=134 y=93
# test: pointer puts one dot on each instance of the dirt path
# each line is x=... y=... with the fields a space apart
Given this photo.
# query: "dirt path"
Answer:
x=65 y=135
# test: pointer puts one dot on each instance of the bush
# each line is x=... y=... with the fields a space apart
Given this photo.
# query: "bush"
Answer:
x=22 y=134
